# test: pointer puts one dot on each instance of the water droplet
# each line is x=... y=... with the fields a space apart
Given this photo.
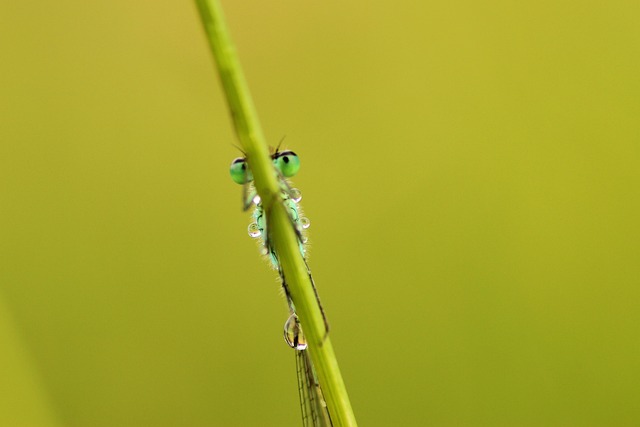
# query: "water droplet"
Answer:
x=293 y=333
x=304 y=222
x=254 y=230
x=256 y=199
x=295 y=195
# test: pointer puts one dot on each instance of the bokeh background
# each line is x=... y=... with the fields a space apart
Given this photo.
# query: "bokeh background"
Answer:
x=470 y=170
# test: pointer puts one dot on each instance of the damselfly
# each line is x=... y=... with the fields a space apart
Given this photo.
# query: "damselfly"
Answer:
x=286 y=164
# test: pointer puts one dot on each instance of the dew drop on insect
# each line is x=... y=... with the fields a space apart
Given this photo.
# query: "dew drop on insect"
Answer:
x=293 y=333
x=304 y=222
x=296 y=195
x=254 y=230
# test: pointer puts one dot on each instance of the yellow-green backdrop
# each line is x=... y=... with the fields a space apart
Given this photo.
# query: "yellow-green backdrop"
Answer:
x=471 y=174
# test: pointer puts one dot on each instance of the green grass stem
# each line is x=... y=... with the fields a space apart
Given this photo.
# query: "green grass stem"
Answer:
x=282 y=234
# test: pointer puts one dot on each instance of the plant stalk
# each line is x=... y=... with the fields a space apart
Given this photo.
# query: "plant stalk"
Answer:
x=282 y=234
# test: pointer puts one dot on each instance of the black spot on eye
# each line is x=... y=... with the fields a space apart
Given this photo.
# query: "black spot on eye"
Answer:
x=285 y=159
x=244 y=166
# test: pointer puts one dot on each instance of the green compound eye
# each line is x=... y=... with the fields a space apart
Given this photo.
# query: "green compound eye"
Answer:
x=240 y=173
x=287 y=162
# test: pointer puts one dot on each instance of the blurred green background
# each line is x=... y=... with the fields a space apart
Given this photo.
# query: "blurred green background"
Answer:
x=470 y=170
